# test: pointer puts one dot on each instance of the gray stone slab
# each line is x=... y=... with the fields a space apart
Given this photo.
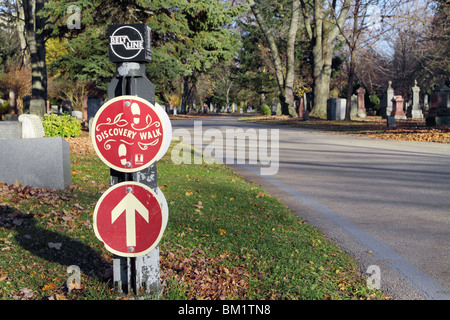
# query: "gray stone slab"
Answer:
x=39 y=162
x=32 y=126
x=10 y=129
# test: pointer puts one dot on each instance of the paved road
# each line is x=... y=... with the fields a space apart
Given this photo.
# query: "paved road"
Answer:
x=385 y=202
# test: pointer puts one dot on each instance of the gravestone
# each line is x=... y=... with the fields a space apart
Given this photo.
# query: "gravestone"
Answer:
x=66 y=106
x=93 y=105
x=397 y=111
x=439 y=112
x=31 y=126
x=10 y=130
x=40 y=162
x=54 y=109
x=13 y=101
x=361 y=103
x=37 y=107
x=386 y=101
x=354 y=106
x=77 y=114
x=340 y=108
x=416 y=113
x=336 y=109
x=26 y=104
x=331 y=109
x=390 y=122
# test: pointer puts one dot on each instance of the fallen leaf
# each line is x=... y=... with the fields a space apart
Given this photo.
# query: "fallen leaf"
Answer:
x=222 y=231
x=50 y=286
x=26 y=293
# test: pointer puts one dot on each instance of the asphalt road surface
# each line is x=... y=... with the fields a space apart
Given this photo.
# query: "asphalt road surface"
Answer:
x=387 y=203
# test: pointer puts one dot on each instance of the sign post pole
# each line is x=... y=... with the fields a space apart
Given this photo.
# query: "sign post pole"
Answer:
x=129 y=48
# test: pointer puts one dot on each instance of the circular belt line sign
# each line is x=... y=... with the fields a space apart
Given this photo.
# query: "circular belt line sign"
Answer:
x=130 y=219
x=130 y=133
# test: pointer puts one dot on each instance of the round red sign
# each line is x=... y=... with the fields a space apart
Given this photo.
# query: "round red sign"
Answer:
x=130 y=133
x=130 y=219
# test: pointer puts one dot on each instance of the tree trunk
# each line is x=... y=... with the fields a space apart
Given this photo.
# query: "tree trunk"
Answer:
x=285 y=80
x=322 y=31
x=290 y=67
x=34 y=26
x=351 y=80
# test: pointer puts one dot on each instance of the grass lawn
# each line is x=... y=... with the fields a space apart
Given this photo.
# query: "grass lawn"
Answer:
x=225 y=239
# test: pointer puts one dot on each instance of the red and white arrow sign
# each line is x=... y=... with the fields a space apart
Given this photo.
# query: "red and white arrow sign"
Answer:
x=130 y=219
x=130 y=205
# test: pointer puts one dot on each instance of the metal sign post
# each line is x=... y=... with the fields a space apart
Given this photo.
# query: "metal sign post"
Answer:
x=129 y=48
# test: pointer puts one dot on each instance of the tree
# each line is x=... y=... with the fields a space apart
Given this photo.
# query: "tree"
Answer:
x=35 y=37
x=322 y=24
x=26 y=15
x=285 y=73
x=188 y=38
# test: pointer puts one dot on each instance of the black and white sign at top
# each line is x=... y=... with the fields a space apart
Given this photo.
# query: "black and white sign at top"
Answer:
x=129 y=43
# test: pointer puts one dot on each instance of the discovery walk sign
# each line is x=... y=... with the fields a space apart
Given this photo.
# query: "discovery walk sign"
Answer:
x=130 y=133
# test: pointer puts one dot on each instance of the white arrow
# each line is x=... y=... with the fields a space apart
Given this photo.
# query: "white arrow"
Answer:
x=130 y=204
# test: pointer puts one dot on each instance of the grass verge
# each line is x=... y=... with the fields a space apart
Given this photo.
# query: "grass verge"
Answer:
x=225 y=239
x=373 y=127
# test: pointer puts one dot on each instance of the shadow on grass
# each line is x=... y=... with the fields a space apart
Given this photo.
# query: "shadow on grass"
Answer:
x=53 y=246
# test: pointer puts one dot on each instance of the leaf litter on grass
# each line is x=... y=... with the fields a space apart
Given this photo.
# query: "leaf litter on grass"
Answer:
x=199 y=252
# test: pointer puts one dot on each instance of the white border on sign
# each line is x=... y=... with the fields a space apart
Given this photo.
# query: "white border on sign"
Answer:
x=162 y=116
x=166 y=118
x=112 y=47
x=164 y=215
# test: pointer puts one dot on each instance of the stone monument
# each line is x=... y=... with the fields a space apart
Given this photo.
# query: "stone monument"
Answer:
x=416 y=113
x=397 y=111
x=361 y=106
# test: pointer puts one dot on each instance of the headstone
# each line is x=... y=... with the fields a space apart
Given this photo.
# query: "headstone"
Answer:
x=301 y=108
x=391 y=122
x=440 y=107
x=354 y=106
x=397 y=111
x=13 y=100
x=31 y=126
x=361 y=104
x=54 y=109
x=331 y=109
x=340 y=109
x=11 y=117
x=386 y=101
x=93 y=105
x=77 y=114
x=26 y=104
x=10 y=130
x=37 y=107
x=66 y=106
x=426 y=106
x=41 y=162
x=416 y=113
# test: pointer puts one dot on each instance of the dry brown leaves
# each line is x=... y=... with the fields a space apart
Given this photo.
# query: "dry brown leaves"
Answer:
x=208 y=278
x=81 y=145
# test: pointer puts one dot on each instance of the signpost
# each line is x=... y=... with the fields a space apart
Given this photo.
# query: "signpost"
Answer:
x=130 y=134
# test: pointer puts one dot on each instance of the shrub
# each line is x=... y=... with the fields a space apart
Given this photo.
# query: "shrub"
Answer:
x=61 y=126
x=265 y=110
